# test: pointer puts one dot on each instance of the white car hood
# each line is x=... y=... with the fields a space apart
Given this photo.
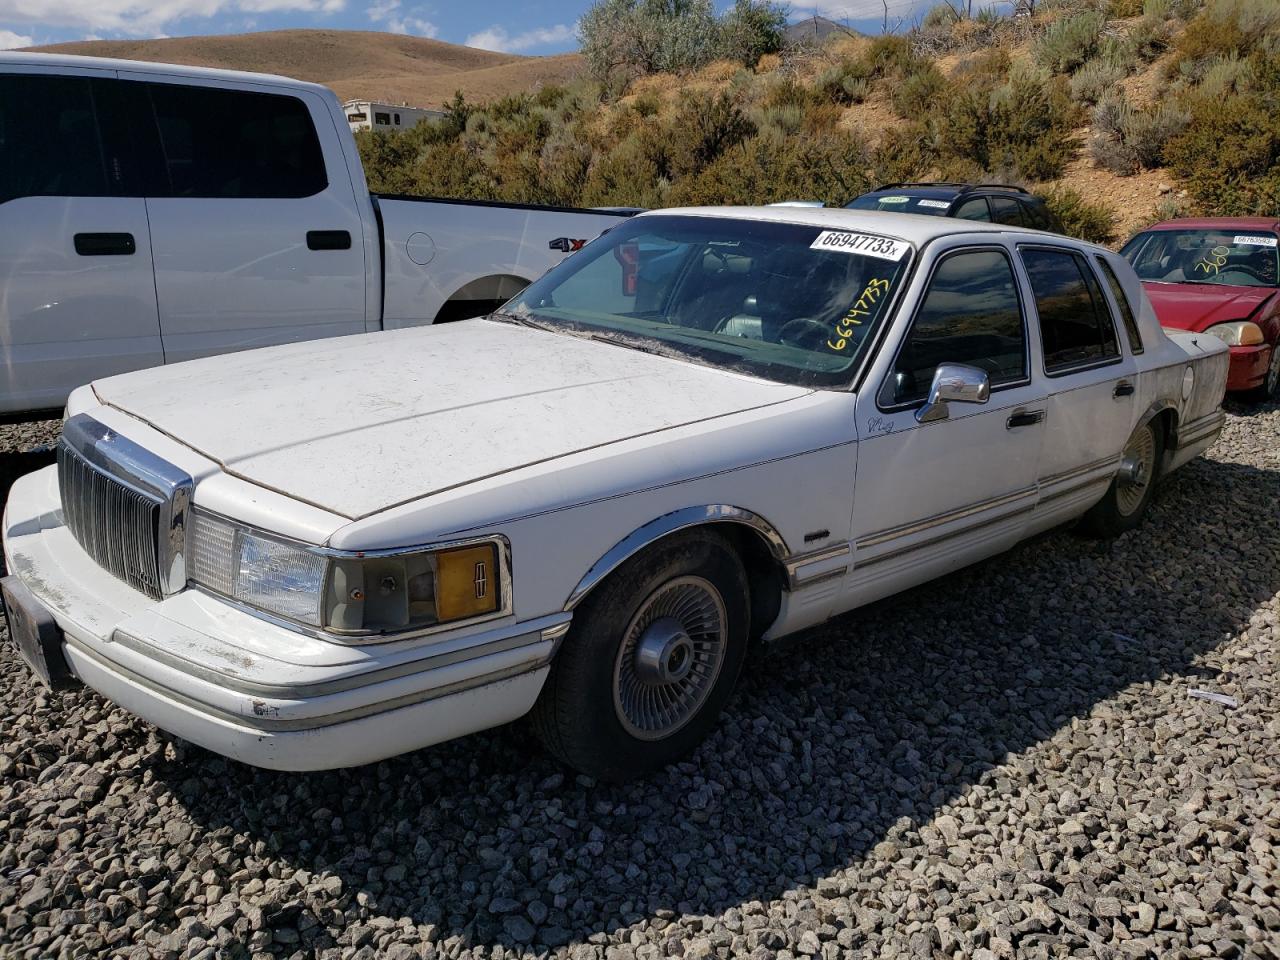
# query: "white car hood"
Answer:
x=359 y=424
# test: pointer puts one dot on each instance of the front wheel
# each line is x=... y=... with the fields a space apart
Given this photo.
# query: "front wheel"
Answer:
x=1129 y=496
x=650 y=661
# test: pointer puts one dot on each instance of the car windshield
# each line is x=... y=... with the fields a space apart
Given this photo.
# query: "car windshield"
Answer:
x=793 y=303
x=1243 y=258
x=901 y=203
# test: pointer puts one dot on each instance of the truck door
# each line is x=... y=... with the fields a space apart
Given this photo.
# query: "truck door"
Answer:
x=77 y=301
x=254 y=222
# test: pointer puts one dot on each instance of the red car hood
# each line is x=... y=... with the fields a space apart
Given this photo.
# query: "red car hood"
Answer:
x=1197 y=306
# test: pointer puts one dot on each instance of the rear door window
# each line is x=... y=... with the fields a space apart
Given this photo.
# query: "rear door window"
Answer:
x=1007 y=211
x=1036 y=215
x=50 y=144
x=235 y=144
x=1076 y=328
x=974 y=209
x=970 y=314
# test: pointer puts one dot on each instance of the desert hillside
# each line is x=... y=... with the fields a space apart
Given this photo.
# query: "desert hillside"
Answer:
x=383 y=66
x=1119 y=112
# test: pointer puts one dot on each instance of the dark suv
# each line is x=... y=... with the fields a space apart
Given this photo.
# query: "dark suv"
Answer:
x=988 y=202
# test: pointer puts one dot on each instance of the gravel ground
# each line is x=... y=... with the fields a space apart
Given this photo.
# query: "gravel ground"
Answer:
x=1005 y=764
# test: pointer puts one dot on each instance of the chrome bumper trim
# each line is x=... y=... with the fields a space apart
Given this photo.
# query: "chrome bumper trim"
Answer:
x=268 y=724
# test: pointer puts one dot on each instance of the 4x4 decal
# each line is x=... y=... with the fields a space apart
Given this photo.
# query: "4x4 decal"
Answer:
x=566 y=244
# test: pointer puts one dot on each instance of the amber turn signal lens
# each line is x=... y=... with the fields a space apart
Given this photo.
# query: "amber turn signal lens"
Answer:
x=466 y=582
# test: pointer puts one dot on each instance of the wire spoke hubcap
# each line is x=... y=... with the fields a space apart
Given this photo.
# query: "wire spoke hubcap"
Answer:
x=1137 y=466
x=670 y=657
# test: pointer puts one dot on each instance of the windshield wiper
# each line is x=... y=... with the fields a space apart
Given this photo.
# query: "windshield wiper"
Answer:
x=529 y=322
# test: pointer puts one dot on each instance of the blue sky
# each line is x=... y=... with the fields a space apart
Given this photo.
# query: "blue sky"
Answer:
x=518 y=26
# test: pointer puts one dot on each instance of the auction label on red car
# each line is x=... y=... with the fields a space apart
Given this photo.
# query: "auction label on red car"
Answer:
x=1255 y=241
x=885 y=248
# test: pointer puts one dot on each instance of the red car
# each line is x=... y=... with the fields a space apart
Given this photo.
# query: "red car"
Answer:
x=1219 y=275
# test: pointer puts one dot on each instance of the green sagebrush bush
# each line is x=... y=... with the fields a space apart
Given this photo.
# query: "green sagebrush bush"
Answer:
x=1096 y=79
x=1127 y=139
x=1081 y=218
x=1228 y=156
x=1223 y=29
x=1070 y=41
x=624 y=39
x=918 y=89
x=767 y=169
x=1024 y=124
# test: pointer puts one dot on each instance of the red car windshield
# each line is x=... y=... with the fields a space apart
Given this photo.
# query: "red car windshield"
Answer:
x=1240 y=258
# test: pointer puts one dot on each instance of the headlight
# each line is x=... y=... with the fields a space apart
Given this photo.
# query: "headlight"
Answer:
x=1238 y=333
x=360 y=595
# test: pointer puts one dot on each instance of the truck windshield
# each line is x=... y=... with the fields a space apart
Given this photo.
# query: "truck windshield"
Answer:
x=1241 y=258
x=788 y=302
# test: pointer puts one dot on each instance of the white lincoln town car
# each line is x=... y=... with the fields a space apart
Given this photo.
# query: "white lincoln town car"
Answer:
x=707 y=428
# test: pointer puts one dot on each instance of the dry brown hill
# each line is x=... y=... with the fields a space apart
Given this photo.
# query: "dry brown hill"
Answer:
x=381 y=66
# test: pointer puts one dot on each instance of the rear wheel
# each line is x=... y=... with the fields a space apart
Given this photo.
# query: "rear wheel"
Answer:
x=1269 y=389
x=650 y=661
x=1127 y=499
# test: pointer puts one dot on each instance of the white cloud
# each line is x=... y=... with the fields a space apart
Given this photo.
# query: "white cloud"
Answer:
x=143 y=17
x=387 y=13
x=11 y=41
x=497 y=39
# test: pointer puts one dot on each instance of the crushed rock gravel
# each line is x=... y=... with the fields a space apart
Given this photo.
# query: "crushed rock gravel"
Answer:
x=1006 y=763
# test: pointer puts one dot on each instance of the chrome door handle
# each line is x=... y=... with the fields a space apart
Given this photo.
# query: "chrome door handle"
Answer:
x=1024 y=418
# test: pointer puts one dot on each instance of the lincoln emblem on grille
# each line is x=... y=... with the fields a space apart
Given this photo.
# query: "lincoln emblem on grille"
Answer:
x=482 y=580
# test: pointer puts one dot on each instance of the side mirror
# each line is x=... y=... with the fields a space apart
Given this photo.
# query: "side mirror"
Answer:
x=954 y=382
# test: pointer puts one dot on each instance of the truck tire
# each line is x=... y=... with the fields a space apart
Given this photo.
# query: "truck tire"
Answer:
x=650 y=660
x=1129 y=496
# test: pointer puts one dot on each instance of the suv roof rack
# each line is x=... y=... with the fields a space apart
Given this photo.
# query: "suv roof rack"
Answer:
x=963 y=187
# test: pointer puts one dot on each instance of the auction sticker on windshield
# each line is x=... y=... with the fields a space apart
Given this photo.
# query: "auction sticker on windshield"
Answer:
x=885 y=248
x=1255 y=241
x=936 y=204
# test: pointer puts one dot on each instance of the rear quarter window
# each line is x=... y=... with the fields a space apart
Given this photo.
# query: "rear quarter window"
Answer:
x=1132 y=333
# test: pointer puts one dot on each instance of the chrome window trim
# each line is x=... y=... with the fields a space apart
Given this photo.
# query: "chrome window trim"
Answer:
x=138 y=468
x=505 y=600
x=915 y=315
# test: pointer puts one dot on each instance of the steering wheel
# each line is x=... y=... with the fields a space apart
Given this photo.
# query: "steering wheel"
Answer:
x=1250 y=271
x=804 y=332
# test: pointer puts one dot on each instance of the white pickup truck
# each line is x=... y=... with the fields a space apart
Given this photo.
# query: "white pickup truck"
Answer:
x=152 y=213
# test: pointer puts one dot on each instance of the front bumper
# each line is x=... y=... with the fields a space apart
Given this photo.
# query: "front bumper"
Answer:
x=1248 y=367
x=257 y=692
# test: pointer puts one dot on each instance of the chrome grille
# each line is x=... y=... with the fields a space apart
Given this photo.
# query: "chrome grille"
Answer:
x=117 y=524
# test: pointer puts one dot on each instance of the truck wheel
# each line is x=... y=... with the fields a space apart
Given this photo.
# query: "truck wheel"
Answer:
x=650 y=661
x=1269 y=389
x=1129 y=495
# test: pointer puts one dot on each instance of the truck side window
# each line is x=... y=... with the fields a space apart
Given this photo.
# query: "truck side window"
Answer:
x=233 y=143
x=50 y=144
x=970 y=314
x=1075 y=323
x=1124 y=306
